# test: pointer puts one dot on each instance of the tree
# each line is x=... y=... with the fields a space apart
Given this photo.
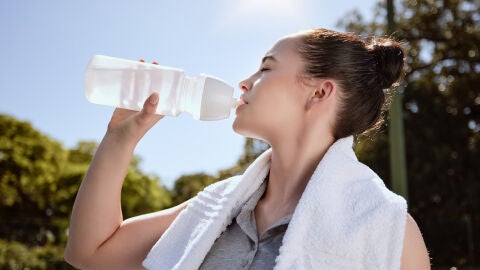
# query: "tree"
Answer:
x=442 y=122
x=251 y=150
x=31 y=228
x=39 y=180
x=142 y=193
x=187 y=186
x=31 y=164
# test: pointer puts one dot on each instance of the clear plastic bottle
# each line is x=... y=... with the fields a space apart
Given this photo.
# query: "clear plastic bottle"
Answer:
x=127 y=84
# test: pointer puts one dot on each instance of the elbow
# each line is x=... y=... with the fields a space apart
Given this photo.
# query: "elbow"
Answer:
x=71 y=257
x=75 y=258
x=80 y=258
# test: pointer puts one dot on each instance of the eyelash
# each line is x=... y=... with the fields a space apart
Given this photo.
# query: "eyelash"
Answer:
x=264 y=69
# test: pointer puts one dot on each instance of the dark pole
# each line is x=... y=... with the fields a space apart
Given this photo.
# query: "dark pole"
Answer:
x=396 y=131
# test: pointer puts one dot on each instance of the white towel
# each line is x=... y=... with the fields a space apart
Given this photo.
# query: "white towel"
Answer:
x=345 y=219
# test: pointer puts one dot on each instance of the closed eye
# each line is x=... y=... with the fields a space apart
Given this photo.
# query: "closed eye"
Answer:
x=264 y=69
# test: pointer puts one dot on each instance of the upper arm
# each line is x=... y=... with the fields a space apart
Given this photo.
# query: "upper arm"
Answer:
x=131 y=242
x=415 y=254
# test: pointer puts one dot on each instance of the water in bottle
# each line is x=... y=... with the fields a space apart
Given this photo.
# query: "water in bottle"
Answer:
x=127 y=84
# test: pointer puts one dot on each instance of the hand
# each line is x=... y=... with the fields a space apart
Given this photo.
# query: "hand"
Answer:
x=132 y=125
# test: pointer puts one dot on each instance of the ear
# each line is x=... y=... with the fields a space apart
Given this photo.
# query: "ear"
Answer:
x=323 y=90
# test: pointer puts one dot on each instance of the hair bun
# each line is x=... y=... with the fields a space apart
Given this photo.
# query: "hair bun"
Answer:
x=389 y=57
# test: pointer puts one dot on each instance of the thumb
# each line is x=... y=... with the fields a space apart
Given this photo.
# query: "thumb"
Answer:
x=150 y=105
x=147 y=114
x=146 y=118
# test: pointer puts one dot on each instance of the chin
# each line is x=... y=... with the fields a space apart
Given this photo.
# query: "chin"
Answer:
x=239 y=128
x=246 y=130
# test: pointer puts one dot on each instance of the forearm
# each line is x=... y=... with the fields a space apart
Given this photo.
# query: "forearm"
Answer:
x=95 y=235
x=97 y=210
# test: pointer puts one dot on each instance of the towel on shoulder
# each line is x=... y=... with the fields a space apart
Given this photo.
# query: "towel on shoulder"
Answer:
x=345 y=219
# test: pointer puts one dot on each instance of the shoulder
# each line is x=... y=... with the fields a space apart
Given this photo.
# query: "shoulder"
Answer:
x=370 y=195
x=415 y=254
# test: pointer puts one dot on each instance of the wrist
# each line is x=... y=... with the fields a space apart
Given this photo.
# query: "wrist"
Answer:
x=121 y=140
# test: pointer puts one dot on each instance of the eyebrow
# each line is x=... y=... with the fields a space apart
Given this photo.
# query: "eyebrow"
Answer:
x=268 y=57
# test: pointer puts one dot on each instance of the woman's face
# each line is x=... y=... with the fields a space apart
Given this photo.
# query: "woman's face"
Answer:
x=274 y=98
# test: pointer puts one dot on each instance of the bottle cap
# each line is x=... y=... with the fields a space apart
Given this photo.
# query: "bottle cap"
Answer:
x=217 y=99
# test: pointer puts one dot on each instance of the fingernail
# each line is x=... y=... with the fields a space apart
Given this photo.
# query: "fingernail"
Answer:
x=153 y=99
x=141 y=60
x=155 y=62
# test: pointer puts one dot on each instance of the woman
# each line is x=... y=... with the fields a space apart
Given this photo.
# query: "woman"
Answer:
x=306 y=203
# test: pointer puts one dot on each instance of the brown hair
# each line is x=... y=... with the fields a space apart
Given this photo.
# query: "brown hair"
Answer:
x=365 y=69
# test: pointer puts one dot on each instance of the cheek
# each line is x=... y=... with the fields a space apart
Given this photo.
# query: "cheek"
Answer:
x=286 y=103
x=273 y=107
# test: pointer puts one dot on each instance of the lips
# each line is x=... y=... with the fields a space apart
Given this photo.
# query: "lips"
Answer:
x=241 y=103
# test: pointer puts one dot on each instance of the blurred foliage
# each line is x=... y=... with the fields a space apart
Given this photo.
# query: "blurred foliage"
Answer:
x=16 y=255
x=441 y=100
x=143 y=194
x=39 y=180
x=31 y=168
x=251 y=150
x=187 y=186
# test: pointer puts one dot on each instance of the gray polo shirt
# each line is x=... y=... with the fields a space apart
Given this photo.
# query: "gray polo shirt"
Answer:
x=239 y=246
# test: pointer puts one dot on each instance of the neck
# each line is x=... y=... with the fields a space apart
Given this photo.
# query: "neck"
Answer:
x=292 y=166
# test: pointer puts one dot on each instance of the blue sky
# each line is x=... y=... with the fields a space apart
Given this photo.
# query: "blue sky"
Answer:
x=46 y=46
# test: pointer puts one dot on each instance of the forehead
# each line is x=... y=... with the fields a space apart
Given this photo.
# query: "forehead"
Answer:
x=285 y=48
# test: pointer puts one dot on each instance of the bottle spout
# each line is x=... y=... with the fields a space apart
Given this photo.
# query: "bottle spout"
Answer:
x=217 y=99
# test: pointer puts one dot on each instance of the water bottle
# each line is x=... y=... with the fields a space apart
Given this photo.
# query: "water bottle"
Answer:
x=127 y=84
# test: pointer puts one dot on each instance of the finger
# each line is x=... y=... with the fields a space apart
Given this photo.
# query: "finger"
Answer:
x=147 y=114
x=150 y=105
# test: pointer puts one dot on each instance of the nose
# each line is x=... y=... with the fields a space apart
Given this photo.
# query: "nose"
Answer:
x=245 y=85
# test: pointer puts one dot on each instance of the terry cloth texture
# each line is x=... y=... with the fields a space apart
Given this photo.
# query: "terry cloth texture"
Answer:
x=345 y=219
